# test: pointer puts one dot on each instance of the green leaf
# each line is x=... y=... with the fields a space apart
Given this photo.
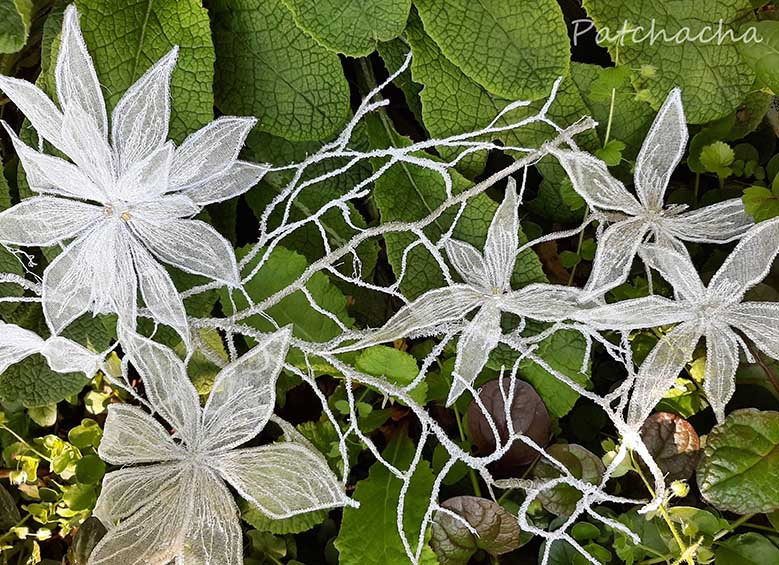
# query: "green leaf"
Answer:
x=611 y=153
x=283 y=268
x=630 y=118
x=79 y=496
x=368 y=534
x=90 y=469
x=717 y=158
x=15 y=17
x=564 y=352
x=86 y=434
x=761 y=203
x=394 y=365
x=747 y=549
x=452 y=103
x=351 y=27
x=33 y=384
x=712 y=76
x=393 y=53
x=738 y=468
x=269 y=68
x=85 y=540
x=513 y=49
x=9 y=513
x=126 y=38
x=763 y=57
x=44 y=416
x=293 y=525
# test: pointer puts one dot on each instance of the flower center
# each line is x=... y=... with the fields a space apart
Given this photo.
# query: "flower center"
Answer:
x=117 y=209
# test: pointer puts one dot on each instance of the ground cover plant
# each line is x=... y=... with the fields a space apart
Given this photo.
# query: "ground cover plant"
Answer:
x=287 y=281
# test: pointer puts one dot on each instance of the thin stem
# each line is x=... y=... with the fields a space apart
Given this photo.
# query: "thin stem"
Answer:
x=471 y=472
x=664 y=513
x=23 y=441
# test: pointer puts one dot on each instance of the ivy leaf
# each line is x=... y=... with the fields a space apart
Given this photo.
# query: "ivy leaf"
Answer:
x=351 y=27
x=368 y=534
x=761 y=203
x=515 y=50
x=33 y=384
x=269 y=68
x=15 y=15
x=747 y=549
x=283 y=268
x=737 y=471
x=126 y=38
x=763 y=57
x=712 y=76
x=497 y=531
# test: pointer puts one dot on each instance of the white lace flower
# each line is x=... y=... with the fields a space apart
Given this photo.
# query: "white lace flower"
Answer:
x=62 y=355
x=123 y=204
x=713 y=311
x=636 y=219
x=487 y=289
x=174 y=505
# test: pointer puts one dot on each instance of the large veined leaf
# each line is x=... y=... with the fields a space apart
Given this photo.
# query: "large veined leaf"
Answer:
x=747 y=549
x=269 y=68
x=33 y=384
x=126 y=38
x=713 y=77
x=351 y=27
x=514 y=49
x=763 y=57
x=15 y=27
x=368 y=534
x=738 y=468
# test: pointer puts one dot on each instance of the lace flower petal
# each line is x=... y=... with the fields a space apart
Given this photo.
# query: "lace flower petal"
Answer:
x=166 y=383
x=543 y=302
x=43 y=114
x=192 y=246
x=236 y=180
x=660 y=369
x=468 y=262
x=749 y=262
x=77 y=83
x=131 y=436
x=16 y=344
x=677 y=269
x=209 y=152
x=477 y=341
x=244 y=394
x=46 y=220
x=617 y=247
x=633 y=314
x=719 y=381
x=139 y=122
x=282 y=479
x=760 y=322
x=661 y=151
x=719 y=223
x=500 y=249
